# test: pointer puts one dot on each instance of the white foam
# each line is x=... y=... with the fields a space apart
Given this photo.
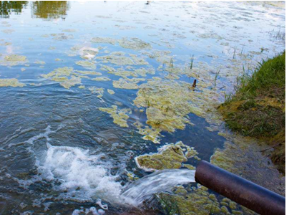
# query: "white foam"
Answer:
x=83 y=175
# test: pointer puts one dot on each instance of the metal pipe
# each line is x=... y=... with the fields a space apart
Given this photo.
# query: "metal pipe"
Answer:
x=242 y=191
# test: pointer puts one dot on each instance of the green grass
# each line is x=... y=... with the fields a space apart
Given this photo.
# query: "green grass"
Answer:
x=267 y=79
x=257 y=108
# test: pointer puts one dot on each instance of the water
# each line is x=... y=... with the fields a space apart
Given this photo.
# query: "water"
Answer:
x=157 y=182
x=60 y=153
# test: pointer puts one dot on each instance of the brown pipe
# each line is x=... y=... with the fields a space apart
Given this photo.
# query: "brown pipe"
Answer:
x=243 y=192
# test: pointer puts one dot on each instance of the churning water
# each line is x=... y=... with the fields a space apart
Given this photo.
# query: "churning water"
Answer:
x=160 y=181
x=83 y=85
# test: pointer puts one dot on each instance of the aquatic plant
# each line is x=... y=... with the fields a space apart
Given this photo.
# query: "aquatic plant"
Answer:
x=97 y=90
x=168 y=103
x=127 y=83
x=13 y=60
x=134 y=43
x=120 y=116
x=168 y=157
x=86 y=64
x=11 y=82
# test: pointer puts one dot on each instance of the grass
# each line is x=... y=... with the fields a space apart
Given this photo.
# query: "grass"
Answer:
x=257 y=108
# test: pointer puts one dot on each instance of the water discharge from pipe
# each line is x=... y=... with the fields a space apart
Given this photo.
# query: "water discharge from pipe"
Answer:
x=160 y=181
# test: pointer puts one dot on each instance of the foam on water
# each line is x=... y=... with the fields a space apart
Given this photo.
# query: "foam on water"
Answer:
x=83 y=175
x=87 y=177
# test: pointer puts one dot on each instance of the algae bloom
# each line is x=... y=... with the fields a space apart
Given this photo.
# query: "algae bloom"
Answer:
x=168 y=104
x=169 y=156
x=11 y=82
x=120 y=116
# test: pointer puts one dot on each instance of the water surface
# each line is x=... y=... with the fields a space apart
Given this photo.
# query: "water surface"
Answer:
x=60 y=152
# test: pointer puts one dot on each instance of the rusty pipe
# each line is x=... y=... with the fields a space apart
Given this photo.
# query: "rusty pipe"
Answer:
x=240 y=190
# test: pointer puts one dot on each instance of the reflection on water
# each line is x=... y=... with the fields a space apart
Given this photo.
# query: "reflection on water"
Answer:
x=50 y=9
x=7 y=7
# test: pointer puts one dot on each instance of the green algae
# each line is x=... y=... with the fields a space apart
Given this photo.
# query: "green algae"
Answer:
x=126 y=73
x=103 y=40
x=127 y=83
x=70 y=82
x=40 y=62
x=67 y=76
x=148 y=133
x=138 y=60
x=101 y=79
x=168 y=104
x=160 y=56
x=98 y=91
x=108 y=68
x=88 y=72
x=111 y=91
x=120 y=116
x=62 y=36
x=134 y=43
x=86 y=64
x=116 y=58
x=119 y=58
x=13 y=60
x=11 y=82
x=169 y=156
x=198 y=201
x=5 y=44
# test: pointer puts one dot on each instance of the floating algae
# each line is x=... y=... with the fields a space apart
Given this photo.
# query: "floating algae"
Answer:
x=169 y=156
x=60 y=72
x=67 y=76
x=120 y=116
x=134 y=43
x=111 y=92
x=108 y=68
x=11 y=82
x=196 y=201
x=5 y=44
x=13 y=60
x=40 y=62
x=116 y=58
x=103 y=40
x=88 y=72
x=98 y=91
x=148 y=133
x=101 y=79
x=127 y=83
x=71 y=82
x=119 y=58
x=134 y=73
x=138 y=60
x=62 y=36
x=86 y=64
x=160 y=56
x=167 y=102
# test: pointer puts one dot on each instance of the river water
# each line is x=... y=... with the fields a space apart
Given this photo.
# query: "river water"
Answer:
x=86 y=88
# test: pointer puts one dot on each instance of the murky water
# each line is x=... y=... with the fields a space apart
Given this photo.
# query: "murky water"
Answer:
x=87 y=87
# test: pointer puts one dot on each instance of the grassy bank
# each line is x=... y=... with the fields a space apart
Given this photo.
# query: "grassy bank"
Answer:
x=257 y=108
